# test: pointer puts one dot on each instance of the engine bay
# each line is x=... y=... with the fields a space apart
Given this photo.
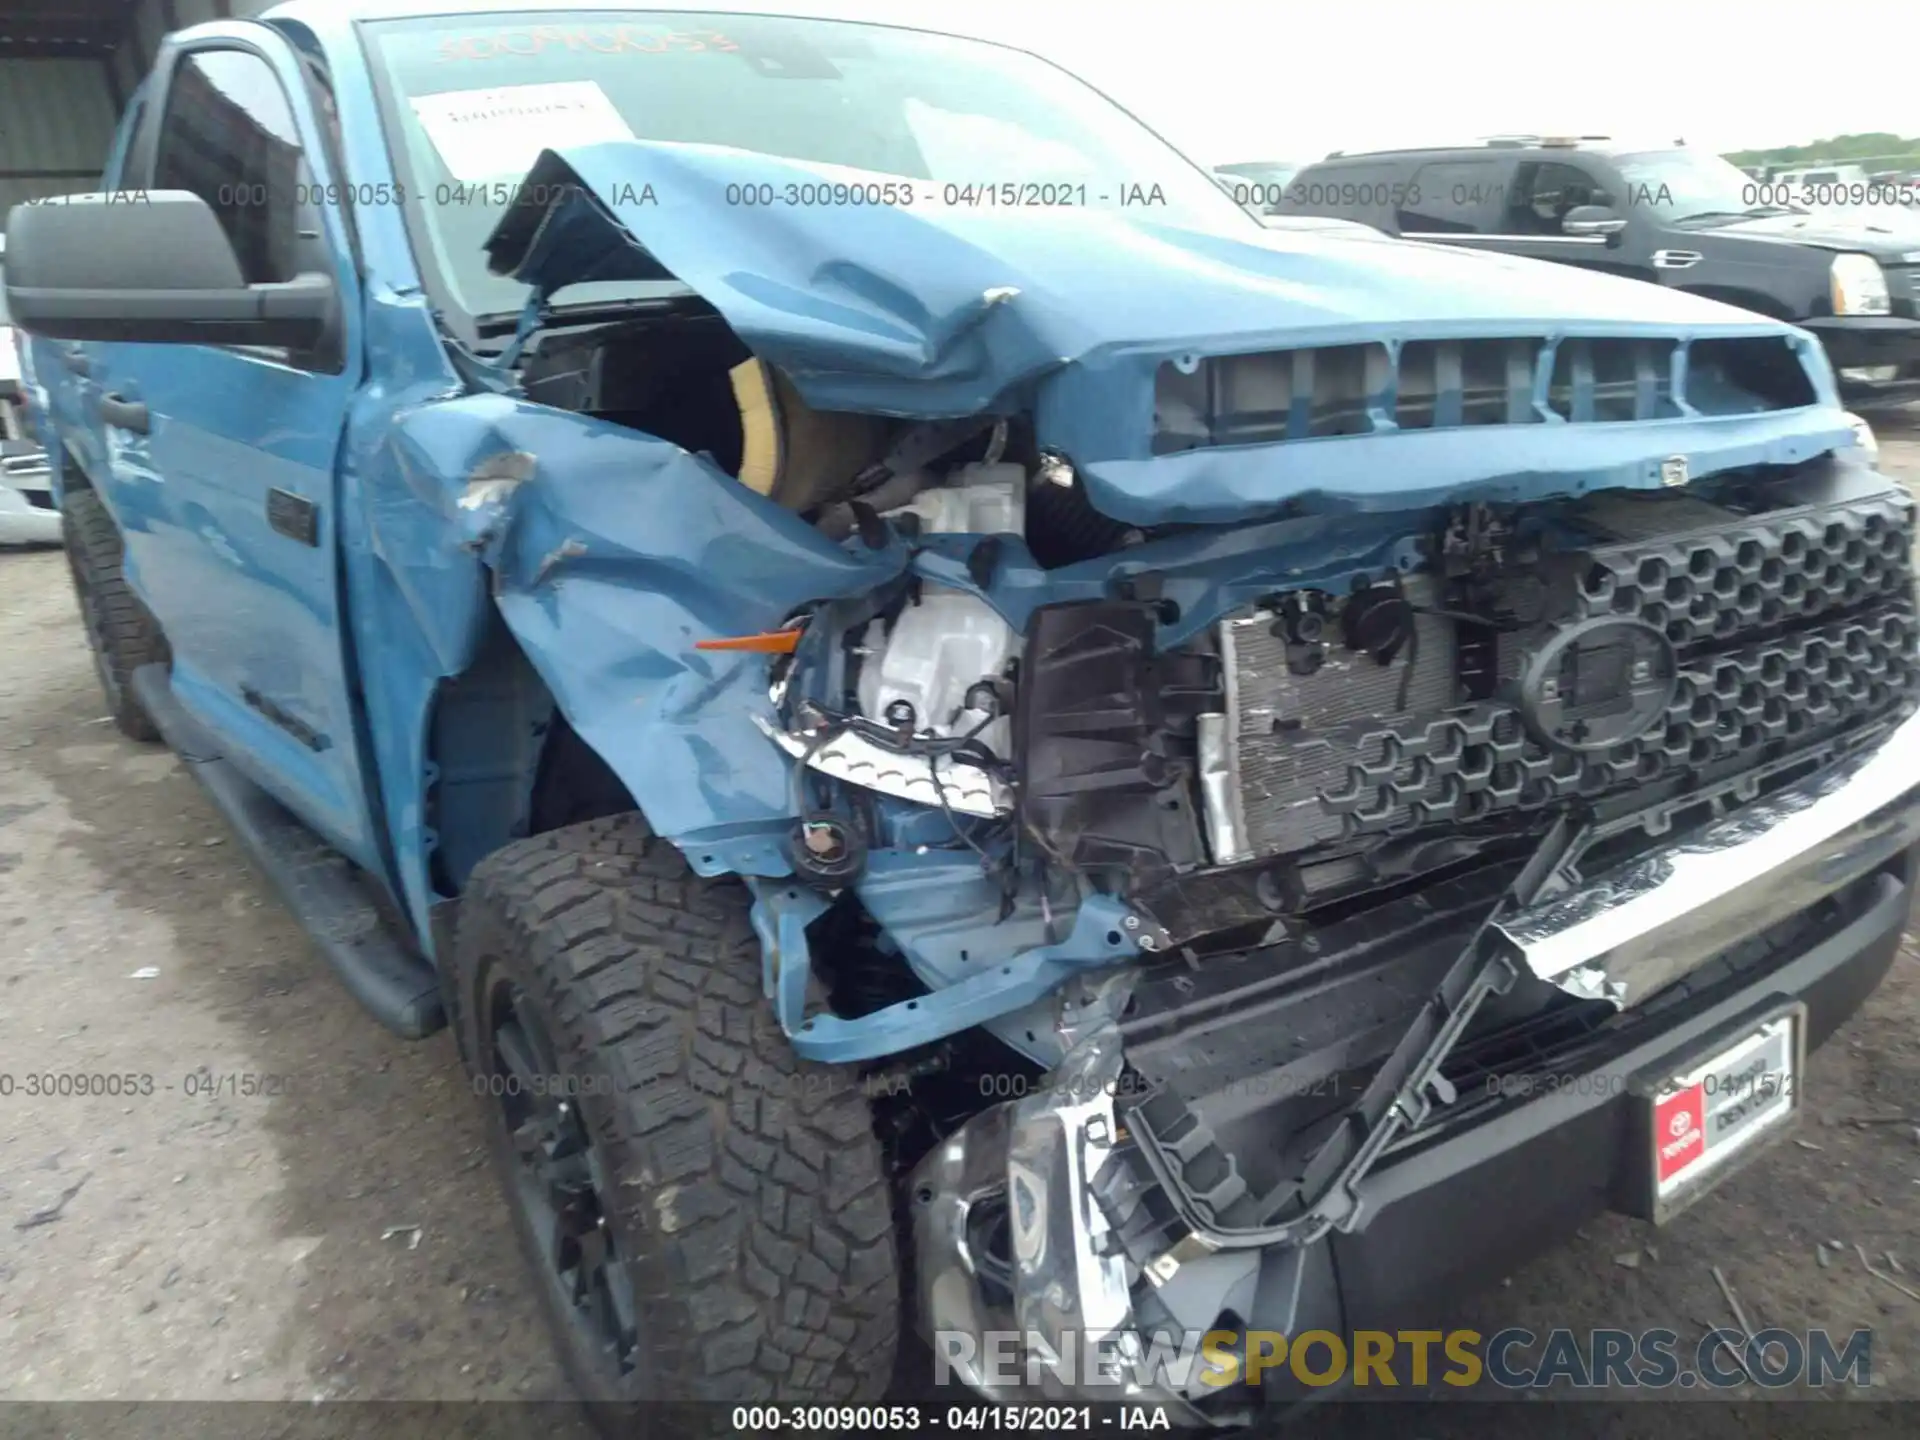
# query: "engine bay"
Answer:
x=1323 y=741
x=1228 y=728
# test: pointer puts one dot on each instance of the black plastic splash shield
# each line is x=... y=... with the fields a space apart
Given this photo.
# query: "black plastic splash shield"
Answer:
x=1173 y=1143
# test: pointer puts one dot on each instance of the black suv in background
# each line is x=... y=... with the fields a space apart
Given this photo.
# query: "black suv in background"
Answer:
x=1257 y=184
x=1670 y=215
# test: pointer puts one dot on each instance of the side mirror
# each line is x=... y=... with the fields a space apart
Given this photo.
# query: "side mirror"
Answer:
x=1591 y=220
x=149 y=266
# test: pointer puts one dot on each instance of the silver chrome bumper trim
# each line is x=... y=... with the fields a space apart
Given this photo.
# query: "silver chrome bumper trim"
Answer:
x=966 y=1169
x=1220 y=787
x=858 y=761
x=1630 y=933
x=1056 y=1143
x=1069 y=1297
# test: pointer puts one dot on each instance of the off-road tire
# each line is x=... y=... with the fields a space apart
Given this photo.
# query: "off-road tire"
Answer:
x=752 y=1205
x=121 y=632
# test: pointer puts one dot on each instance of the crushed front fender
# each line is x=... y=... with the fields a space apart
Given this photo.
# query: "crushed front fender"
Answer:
x=611 y=553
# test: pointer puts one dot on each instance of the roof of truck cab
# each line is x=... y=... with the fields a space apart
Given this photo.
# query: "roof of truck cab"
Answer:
x=1530 y=149
x=320 y=12
x=333 y=21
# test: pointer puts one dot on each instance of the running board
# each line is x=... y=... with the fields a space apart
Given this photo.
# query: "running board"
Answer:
x=317 y=883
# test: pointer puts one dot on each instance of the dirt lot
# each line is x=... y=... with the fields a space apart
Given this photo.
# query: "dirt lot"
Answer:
x=343 y=1239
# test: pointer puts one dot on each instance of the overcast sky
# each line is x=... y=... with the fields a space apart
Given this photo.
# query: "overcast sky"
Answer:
x=1291 y=79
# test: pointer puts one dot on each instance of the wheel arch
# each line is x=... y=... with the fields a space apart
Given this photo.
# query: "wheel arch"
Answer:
x=504 y=762
x=66 y=472
x=1755 y=300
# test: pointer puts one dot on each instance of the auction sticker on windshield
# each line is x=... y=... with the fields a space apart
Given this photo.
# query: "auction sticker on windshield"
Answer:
x=482 y=134
x=1713 y=1116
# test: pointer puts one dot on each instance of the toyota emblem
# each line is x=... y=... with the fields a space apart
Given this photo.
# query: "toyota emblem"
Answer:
x=1680 y=1124
x=1597 y=683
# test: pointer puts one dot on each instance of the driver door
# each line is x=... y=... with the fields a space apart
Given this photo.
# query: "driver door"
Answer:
x=224 y=458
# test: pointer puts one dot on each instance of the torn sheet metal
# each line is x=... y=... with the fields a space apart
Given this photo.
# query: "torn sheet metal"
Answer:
x=1627 y=935
x=932 y=309
x=963 y=789
x=611 y=555
x=488 y=489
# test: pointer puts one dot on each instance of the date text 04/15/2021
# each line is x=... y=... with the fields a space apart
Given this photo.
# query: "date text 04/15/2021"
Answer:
x=968 y=1418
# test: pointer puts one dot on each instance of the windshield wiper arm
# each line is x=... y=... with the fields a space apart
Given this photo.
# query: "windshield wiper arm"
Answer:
x=677 y=297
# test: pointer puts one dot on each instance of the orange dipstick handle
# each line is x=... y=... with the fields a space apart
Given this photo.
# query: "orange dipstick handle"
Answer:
x=774 y=642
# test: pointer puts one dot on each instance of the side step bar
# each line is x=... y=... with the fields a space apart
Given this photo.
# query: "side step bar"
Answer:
x=316 y=882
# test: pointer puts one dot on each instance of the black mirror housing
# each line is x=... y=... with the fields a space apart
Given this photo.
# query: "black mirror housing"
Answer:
x=153 y=267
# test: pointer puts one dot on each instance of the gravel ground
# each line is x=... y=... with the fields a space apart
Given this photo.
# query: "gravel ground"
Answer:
x=342 y=1238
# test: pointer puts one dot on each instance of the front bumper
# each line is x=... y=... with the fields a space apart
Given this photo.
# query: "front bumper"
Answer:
x=1868 y=342
x=1460 y=1203
x=1630 y=934
x=28 y=515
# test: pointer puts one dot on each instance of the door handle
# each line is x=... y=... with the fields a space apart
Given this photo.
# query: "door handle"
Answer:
x=125 y=414
x=76 y=360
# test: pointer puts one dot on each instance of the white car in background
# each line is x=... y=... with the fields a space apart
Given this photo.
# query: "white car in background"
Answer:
x=27 y=513
x=1826 y=176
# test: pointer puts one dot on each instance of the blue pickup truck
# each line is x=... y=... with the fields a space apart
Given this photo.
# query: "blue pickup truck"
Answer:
x=969 y=740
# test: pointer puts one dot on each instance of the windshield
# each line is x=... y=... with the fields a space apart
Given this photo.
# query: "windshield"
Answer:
x=1277 y=173
x=1876 y=219
x=1688 y=185
x=476 y=98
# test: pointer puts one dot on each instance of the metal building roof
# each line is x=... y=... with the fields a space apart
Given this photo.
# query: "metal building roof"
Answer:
x=82 y=29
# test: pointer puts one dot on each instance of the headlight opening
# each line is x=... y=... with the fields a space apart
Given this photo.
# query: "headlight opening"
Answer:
x=1859 y=286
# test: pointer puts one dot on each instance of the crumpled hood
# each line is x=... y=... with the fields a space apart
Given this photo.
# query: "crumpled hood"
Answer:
x=930 y=310
x=896 y=290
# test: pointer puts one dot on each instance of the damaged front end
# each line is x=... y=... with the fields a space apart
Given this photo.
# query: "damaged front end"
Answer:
x=1191 y=709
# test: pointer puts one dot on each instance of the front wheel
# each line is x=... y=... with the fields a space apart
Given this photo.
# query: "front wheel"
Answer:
x=707 y=1216
x=121 y=633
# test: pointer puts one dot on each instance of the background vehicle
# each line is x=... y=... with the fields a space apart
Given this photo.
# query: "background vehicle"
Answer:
x=27 y=513
x=1677 y=217
x=888 y=723
x=1827 y=176
x=1257 y=184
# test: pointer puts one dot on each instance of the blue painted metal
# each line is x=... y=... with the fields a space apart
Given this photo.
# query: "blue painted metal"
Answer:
x=781 y=914
x=256 y=621
x=930 y=312
x=69 y=400
x=608 y=567
x=943 y=912
x=1205 y=575
x=1001 y=986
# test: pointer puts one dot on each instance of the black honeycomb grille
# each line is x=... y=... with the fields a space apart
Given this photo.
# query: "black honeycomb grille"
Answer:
x=1786 y=692
x=1791 y=628
x=1758 y=574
